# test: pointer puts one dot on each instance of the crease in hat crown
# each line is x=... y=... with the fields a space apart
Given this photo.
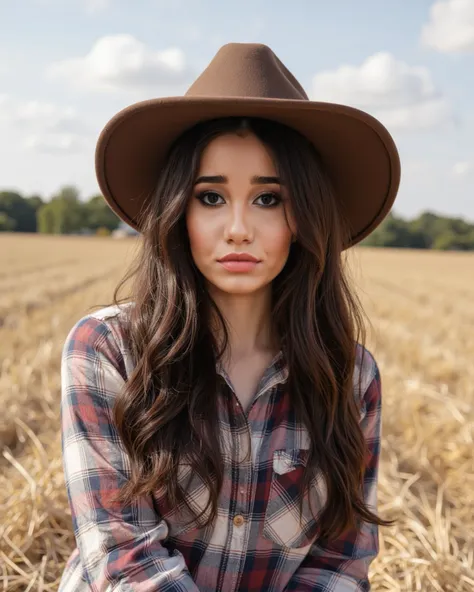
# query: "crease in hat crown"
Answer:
x=250 y=70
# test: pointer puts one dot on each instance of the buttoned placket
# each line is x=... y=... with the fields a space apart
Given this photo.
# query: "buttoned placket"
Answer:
x=239 y=527
x=238 y=530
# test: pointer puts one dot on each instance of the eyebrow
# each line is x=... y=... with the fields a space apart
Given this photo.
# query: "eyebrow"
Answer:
x=222 y=179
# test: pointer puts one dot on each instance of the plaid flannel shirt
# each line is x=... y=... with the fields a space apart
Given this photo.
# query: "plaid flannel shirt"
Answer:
x=257 y=542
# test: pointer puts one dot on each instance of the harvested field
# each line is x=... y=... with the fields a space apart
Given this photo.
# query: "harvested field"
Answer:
x=420 y=307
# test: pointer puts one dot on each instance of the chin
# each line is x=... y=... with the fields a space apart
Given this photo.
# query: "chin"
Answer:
x=238 y=285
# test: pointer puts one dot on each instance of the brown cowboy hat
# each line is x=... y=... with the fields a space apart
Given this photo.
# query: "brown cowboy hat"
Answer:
x=246 y=79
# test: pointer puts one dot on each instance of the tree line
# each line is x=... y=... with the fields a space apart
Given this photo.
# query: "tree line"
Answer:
x=427 y=231
x=66 y=213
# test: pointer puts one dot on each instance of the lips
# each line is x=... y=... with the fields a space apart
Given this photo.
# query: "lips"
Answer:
x=239 y=257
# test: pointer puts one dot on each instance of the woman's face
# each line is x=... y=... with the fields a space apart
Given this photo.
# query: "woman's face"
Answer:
x=238 y=206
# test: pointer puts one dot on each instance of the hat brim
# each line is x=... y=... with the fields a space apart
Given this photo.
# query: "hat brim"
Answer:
x=358 y=152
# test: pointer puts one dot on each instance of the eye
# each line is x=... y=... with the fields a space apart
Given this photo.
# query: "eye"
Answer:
x=212 y=197
x=269 y=195
x=201 y=197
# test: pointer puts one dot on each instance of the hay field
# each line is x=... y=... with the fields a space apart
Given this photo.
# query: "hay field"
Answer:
x=420 y=305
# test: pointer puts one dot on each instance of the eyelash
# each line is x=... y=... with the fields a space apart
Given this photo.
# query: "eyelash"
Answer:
x=202 y=195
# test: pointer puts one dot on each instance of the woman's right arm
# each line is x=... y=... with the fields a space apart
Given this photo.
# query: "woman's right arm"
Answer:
x=120 y=546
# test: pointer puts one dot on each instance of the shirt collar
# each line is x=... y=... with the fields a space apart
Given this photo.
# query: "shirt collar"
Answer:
x=275 y=373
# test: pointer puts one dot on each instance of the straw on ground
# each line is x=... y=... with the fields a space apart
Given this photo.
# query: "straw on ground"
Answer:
x=420 y=306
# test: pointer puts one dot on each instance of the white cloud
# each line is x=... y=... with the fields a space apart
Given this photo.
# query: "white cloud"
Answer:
x=47 y=126
x=48 y=116
x=89 y=6
x=400 y=95
x=55 y=143
x=94 y=6
x=462 y=169
x=416 y=167
x=121 y=62
x=451 y=26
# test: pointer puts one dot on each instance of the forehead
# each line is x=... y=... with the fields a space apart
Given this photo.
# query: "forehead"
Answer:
x=230 y=152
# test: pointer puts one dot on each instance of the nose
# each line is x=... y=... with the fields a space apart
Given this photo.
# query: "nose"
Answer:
x=238 y=226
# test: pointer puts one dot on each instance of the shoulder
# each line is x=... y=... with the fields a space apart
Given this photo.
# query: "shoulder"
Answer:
x=99 y=335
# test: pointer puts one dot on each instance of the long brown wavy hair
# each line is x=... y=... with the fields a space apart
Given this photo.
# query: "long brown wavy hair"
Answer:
x=167 y=411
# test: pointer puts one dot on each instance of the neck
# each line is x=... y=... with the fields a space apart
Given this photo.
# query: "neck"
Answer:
x=249 y=324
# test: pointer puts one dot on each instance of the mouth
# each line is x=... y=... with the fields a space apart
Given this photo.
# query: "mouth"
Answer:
x=239 y=262
x=239 y=265
x=244 y=257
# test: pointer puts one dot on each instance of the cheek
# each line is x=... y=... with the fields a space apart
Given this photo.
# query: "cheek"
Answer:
x=278 y=238
x=199 y=239
x=283 y=248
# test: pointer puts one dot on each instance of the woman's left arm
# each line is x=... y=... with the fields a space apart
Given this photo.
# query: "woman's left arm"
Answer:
x=343 y=565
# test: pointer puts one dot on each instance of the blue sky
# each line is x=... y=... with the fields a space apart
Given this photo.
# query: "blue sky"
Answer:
x=67 y=66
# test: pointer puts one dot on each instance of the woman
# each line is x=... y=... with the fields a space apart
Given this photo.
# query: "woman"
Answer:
x=221 y=426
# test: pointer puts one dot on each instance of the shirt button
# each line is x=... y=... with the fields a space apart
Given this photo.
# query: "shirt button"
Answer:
x=238 y=520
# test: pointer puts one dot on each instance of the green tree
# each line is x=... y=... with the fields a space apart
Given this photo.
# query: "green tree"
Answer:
x=460 y=227
x=46 y=219
x=451 y=241
x=430 y=225
x=19 y=209
x=36 y=201
x=63 y=214
x=68 y=193
x=394 y=231
x=99 y=215
x=6 y=223
x=428 y=231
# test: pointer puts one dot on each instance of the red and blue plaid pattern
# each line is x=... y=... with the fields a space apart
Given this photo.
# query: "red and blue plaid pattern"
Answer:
x=257 y=542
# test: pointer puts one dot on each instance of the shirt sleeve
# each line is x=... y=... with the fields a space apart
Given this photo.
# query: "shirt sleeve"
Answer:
x=120 y=546
x=343 y=565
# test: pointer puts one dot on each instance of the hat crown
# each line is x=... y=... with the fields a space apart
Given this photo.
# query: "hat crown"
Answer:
x=250 y=70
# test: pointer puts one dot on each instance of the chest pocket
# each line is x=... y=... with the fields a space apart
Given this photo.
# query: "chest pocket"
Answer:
x=283 y=523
